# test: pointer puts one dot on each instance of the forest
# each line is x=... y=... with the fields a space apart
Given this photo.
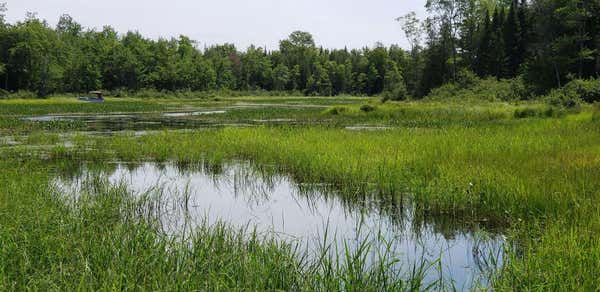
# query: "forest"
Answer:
x=539 y=45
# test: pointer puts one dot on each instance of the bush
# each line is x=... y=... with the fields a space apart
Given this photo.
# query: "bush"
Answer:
x=119 y=92
x=517 y=90
x=367 y=108
x=465 y=79
x=336 y=110
x=22 y=94
x=563 y=98
x=587 y=90
x=398 y=92
x=525 y=113
x=470 y=87
x=596 y=112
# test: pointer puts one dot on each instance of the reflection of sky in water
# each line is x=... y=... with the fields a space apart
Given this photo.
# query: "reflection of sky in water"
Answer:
x=240 y=196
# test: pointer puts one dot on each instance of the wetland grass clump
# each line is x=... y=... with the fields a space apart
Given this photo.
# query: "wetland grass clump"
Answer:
x=367 y=108
x=542 y=112
x=336 y=110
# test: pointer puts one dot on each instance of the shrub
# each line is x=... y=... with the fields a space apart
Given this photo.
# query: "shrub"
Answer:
x=22 y=94
x=398 y=92
x=596 y=112
x=471 y=87
x=336 y=110
x=517 y=90
x=367 y=108
x=563 y=98
x=466 y=79
x=587 y=90
x=119 y=92
x=527 y=112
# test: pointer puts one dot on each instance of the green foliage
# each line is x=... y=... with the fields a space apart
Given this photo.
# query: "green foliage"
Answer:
x=336 y=110
x=35 y=57
x=576 y=91
x=587 y=90
x=101 y=240
x=544 y=44
x=474 y=161
x=471 y=87
x=367 y=108
x=466 y=79
x=539 y=112
x=394 y=87
x=596 y=112
x=21 y=94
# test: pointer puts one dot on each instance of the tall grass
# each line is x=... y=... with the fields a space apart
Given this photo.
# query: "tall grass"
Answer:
x=106 y=240
x=534 y=168
x=540 y=175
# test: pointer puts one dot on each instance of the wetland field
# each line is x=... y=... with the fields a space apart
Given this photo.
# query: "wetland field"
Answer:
x=298 y=194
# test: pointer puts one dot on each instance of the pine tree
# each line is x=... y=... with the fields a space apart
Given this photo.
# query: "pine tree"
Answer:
x=512 y=41
x=484 y=56
x=524 y=31
x=497 y=45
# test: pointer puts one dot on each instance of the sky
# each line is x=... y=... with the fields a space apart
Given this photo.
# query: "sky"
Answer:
x=333 y=23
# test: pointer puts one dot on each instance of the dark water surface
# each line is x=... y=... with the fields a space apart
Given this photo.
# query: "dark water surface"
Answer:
x=242 y=195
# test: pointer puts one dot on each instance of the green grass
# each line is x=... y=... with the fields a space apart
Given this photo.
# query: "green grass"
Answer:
x=508 y=164
x=72 y=105
x=102 y=241
x=528 y=169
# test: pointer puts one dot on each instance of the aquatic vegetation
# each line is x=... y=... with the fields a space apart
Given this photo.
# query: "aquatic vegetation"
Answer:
x=474 y=162
x=106 y=239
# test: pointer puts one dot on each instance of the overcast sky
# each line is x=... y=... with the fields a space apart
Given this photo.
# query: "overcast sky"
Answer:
x=333 y=23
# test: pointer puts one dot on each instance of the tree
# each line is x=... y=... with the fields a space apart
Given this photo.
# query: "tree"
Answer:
x=256 y=69
x=66 y=25
x=224 y=59
x=319 y=82
x=498 y=55
x=2 y=13
x=524 y=31
x=512 y=39
x=302 y=39
x=484 y=60
x=81 y=75
x=393 y=87
x=448 y=14
x=2 y=27
x=563 y=44
x=413 y=30
x=281 y=77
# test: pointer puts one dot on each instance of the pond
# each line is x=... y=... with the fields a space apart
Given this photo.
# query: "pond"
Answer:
x=314 y=215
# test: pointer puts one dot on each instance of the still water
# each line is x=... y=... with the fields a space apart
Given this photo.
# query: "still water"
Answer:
x=311 y=214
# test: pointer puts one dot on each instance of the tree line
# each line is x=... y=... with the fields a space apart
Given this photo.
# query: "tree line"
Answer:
x=68 y=58
x=545 y=43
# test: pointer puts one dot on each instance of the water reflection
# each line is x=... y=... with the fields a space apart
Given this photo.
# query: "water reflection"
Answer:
x=188 y=194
